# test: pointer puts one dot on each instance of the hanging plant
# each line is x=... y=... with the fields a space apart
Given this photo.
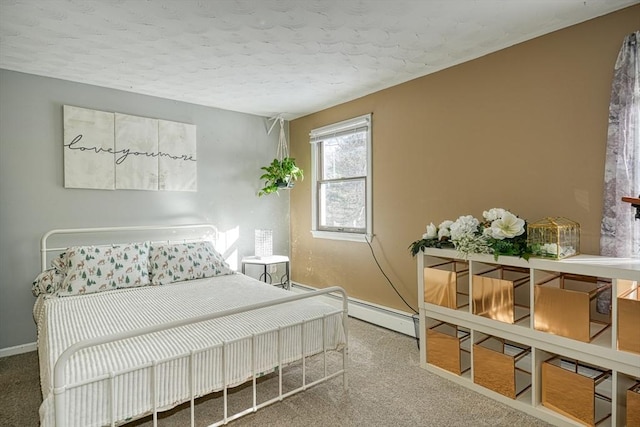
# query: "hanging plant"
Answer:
x=282 y=172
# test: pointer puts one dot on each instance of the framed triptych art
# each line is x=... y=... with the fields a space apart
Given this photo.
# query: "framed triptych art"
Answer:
x=113 y=151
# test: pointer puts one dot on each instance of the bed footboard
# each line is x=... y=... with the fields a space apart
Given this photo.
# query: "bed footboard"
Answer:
x=61 y=387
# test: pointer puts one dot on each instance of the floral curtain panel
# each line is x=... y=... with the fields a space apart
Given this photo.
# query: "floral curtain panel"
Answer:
x=620 y=233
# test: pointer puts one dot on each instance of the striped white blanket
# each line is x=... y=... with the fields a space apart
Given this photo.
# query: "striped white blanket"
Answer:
x=67 y=320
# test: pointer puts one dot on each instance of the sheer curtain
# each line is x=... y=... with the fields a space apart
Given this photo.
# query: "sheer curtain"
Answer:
x=619 y=231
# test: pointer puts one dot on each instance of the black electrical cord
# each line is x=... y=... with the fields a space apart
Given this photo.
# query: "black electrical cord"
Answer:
x=387 y=277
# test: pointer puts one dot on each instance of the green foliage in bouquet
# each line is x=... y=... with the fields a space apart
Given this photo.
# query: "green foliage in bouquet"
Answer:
x=421 y=244
x=516 y=246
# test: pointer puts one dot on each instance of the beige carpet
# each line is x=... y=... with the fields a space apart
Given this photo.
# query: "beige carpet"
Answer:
x=386 y=388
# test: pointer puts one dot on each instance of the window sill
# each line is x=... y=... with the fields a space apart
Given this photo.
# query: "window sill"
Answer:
x=334 y=235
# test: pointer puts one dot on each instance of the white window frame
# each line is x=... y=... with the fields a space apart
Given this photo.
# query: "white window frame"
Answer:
x=317 y=135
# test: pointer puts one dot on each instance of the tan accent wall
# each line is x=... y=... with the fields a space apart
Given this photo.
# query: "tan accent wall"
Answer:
x=524 y=129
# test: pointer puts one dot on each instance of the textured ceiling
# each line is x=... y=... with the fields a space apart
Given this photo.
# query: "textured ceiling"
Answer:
x=268 y=57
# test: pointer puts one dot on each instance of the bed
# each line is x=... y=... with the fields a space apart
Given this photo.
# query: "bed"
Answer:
x=127 y=330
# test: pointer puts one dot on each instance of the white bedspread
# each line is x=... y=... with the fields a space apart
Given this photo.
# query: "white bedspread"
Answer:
x=65 y=321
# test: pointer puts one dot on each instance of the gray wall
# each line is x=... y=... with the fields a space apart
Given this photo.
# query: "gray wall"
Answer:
x=231 y=147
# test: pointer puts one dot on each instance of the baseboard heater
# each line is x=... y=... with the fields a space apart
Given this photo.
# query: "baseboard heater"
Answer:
x=385 y=317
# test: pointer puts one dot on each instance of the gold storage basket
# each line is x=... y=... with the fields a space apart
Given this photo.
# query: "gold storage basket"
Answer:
x=446 y=283
x=633 y=406
x=501 y=293
x=498 y=365
x=573 y=389
x=629 y=319
x=445 y=347
x=554 y=237
x=564 y=304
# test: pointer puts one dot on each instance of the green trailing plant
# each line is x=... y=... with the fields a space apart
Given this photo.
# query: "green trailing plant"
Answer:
x=280 y=174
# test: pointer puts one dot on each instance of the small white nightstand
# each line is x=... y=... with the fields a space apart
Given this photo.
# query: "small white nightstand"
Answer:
x=285 y=280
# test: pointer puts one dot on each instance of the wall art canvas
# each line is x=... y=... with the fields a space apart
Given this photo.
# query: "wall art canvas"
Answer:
x=88 y=149
x=177 y=156
x=136 y=157
x=110 y=151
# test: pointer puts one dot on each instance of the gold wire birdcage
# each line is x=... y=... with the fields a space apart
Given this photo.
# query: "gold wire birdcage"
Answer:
x=554 y=237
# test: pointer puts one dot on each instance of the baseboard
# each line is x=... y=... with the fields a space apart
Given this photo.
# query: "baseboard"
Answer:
x=385 y=317
x=18 y=349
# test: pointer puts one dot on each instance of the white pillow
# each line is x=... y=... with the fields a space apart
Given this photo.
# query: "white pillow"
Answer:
x=185 y=261
x=99 y=268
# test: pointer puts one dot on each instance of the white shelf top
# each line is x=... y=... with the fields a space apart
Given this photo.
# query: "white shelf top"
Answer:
x=265 y=260
x=591 y=265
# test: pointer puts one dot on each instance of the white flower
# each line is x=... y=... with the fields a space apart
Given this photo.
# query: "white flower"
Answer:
x=443 y=229
x=432 y=232
x=507 y=227
x=493 y=214
x=464 y=226
x=555 y=250
x=465 y=237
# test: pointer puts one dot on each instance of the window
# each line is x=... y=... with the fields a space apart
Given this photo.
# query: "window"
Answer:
x=341 y=180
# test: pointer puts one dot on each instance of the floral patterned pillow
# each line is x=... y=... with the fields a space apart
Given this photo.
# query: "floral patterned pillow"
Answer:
x=99 y=268
x=60 y=263
x=47 y=282
x=186 y=261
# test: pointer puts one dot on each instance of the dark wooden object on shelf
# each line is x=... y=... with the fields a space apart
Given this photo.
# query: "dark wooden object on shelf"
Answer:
x=635 y=202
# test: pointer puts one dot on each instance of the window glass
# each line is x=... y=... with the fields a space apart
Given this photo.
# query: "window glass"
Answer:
x=345 y=156
x=343 y=205
x=341 y=174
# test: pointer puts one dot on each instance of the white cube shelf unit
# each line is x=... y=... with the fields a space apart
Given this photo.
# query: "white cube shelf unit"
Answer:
x=514 y=317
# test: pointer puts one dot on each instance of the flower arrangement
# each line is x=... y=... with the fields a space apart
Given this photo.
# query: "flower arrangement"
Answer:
x=500 y=233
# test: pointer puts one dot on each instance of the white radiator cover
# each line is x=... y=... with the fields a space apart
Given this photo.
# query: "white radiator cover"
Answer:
x=386 y=317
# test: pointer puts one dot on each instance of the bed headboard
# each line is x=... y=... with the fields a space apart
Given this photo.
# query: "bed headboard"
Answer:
x=56 y=241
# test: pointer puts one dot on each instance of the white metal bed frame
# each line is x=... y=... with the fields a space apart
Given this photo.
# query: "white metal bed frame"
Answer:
x=60 y=387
